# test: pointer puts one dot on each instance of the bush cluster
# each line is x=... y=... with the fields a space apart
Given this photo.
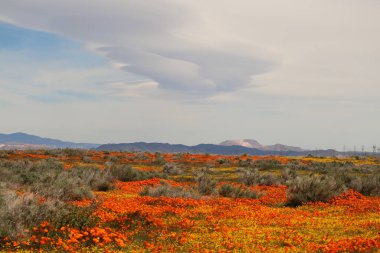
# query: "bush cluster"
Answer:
x=252 y=176
x=20 y=212
x=172 y=169
x=230 y=191
x=167 y=190
x=32 y=192
x=312 y=188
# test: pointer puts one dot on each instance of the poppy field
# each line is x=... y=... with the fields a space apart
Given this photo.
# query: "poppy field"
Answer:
x=98 y=201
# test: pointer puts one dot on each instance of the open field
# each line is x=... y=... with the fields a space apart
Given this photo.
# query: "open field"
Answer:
x=90 y=201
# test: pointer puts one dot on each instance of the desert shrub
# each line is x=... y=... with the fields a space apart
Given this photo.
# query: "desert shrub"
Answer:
x=295 y=165
x=245 y=162
x=230 y=191
x=48 y=179
x=141 y=156
x=342 y=176
x=113 y=159
x=206 y=185
x=20 y=212
x=26 y=172
x=367 y=185
x=67 y=185
x=62 y=186
x=75 y=216
x=3 y=154
x=179 y=157
x=287 y=175
x=252 y=176
x=168 y=191
x=367 y=169
x=268 y=179
x=126 y=173
x=74 y=152
x=172 y=169
x=87 y=159
x=223 y=161
x=328 y=167
x=159 y=159
x=312 y=188
x=17 y=213
x=267 y=164
x=54 y=152
x=249 y=176
x=95 y=178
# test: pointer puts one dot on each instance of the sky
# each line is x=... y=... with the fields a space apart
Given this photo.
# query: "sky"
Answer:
x=298 y=72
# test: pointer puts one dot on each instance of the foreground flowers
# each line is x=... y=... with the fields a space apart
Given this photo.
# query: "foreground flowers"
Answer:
x=348 y=223
x=124 y=221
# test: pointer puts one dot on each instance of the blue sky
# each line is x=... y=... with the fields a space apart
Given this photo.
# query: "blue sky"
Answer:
x=182 y=72
x=45 y=47
x=32 y=51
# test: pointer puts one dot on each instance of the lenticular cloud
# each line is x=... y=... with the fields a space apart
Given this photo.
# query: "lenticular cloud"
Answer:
x=147 y=39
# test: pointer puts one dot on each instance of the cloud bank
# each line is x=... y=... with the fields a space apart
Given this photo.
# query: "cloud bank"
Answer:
x=145 y=38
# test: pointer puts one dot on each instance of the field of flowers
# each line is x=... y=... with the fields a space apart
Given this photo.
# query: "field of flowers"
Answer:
x=122 y=219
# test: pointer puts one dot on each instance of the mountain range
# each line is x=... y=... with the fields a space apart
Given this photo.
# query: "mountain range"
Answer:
x=229 y=147
x=249 y=143
x=200 y=148
x=23 y=140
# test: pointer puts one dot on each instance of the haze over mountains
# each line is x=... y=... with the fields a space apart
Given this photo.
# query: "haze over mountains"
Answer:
x=229 y=147
x=249 y=143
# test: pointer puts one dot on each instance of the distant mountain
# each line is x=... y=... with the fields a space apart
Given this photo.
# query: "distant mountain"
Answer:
x=231 y=147
x=249 y=143
x=201 y=148
x=23 y=141
x=244 y=143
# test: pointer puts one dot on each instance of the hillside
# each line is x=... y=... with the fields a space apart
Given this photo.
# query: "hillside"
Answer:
x=23 y=140
x=249 y=143
x=200 y=148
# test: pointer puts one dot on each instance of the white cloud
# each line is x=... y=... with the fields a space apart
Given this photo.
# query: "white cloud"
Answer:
x=203 y=48
x=148 y=38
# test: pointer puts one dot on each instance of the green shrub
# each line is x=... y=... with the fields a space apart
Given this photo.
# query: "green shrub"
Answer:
x=268 y=179
x=62 y=187
x=95 y=178
x=126 y=173
x=231 y=191
x=368 y=185
x=252 y=176
x=87 y=159
x=171 y=169
x=287 y=175
x=223 y=161
x=159 y=160
x=312 y=188
x=21 y=212
x=168 y=191
x=47 y=178
x=206 y=185
x=267 y=164
x=3 y=154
